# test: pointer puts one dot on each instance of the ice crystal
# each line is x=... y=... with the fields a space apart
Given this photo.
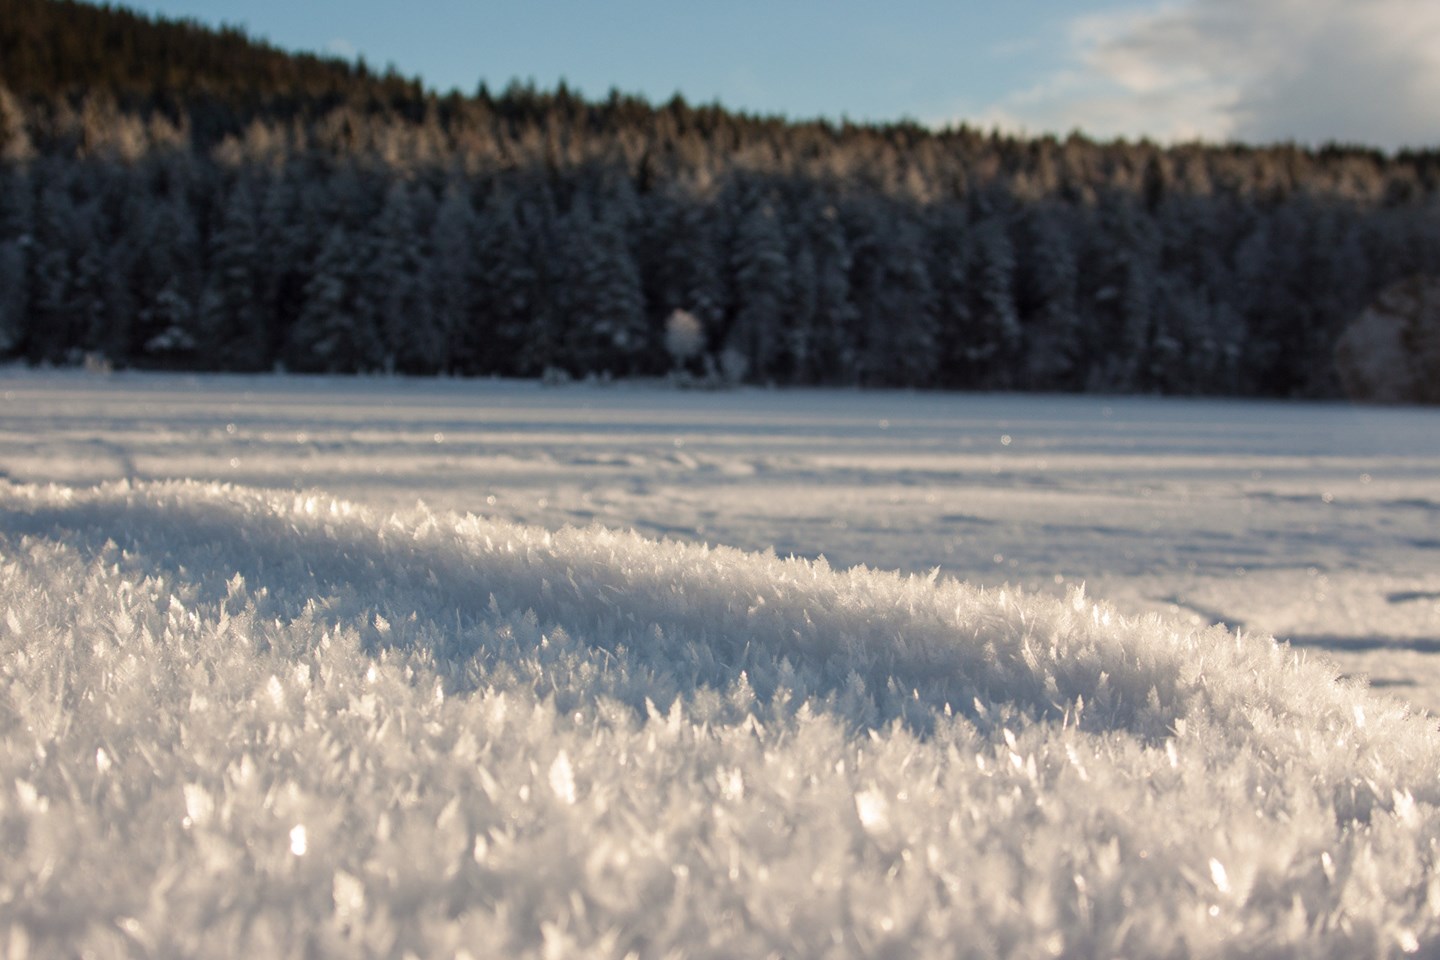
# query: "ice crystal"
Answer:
x=279 y=725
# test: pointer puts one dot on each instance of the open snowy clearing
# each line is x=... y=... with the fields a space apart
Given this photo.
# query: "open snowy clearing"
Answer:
x=242 y=722
x=1318 y=524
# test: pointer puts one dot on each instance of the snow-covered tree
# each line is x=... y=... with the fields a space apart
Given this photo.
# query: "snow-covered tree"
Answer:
x=447 y=269
x=682 y=265
x=293 y=225
x=1266 y=267
x=979 y=333
x=832 y=343
x=761 y=275
x=602 y=309
x=1046 y=299
x=338 y=330
x=234 y=326
x=893 y=294
x=507 y=330
x=65 y=305
x=165 y=279
x=1119 y=287
x=414 y=341
x=1391 y=352
x=17 y=247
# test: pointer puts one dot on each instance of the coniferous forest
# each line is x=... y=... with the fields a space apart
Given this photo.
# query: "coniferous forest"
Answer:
x=182 y=198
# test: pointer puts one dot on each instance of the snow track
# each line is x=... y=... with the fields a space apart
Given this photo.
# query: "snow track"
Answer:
x=245 y=722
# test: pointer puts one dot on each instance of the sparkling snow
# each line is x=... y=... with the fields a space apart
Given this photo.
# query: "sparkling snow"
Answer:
x=1315 y=523
x=255 y=700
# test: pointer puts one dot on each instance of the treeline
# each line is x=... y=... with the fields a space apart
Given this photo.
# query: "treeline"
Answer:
x=177 y=197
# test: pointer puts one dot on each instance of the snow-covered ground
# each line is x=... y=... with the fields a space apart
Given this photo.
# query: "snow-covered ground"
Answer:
x=1315 y=523
x=239 y=721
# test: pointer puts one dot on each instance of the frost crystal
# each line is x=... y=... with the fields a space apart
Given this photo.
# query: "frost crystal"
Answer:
x=847 y=761
x=1219 y=876
x=873 y=810
x=562 y=778
x=349 y=894
x=199 y=805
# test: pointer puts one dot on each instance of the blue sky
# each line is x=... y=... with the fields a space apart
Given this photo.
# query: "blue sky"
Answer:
x=1365 y=71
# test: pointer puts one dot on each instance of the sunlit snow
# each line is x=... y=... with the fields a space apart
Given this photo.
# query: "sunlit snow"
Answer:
x=599 y=694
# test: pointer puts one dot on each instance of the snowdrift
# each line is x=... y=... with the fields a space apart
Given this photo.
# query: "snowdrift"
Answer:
x=239 y=722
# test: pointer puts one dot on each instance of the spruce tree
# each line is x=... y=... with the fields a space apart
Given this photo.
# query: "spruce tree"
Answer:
x=58 y=321
x=832 y=339
x=1047 y=287
x=684 y=259
x=761 y=288
x=949 y=244
x=447 y=271
x=893 y=293
x=17 y=248
x=337 y=331
x=234 y=326
x=1121 y=275
x=506 y=330
x=601 y=306
x=413 y=341
x=989 y=339
x=292 y=228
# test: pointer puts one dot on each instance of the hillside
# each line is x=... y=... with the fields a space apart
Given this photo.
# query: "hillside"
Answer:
x=62 y=49
x=185 y=198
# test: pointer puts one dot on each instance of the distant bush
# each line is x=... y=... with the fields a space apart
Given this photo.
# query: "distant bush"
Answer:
x=684 y=337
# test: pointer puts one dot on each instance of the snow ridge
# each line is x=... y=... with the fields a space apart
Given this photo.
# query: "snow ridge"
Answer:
x=239 y=721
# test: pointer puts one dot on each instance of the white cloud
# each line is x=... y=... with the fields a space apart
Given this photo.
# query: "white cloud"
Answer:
x=341 y=47
x=1252 y=70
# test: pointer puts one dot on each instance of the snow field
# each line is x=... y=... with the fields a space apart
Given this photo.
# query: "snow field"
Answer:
x=1315 y=523
x=246 y=722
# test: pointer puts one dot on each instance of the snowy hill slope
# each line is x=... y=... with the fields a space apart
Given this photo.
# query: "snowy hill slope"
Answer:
x=238 y=722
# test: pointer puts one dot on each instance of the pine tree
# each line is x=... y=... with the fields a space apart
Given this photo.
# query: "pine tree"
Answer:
x=157 y=260
x=1331 y=284
x=59 y=314
x=447 y=270
x=13 y=295
x=507 y=329
x=894 y=297
x=761 y=288
x=337 y=331
x=234 y=327
x=1268 y=270
x=292 y=229
x=1197 y=344
x=683 y=266
x=413 y=340
x=1121 y=280
x=17 y=246
x=950 y=278
x=1046 y=301
x=537 y=256
x=980 y=335
x=16 y=146
x=833 y=338
x=601 y=305
x=799 y=346
x=1180 y=314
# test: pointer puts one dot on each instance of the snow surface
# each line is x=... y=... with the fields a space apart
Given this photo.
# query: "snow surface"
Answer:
x=242 y=716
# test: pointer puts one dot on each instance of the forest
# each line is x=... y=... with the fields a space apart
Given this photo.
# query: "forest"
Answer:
x=177 y=197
